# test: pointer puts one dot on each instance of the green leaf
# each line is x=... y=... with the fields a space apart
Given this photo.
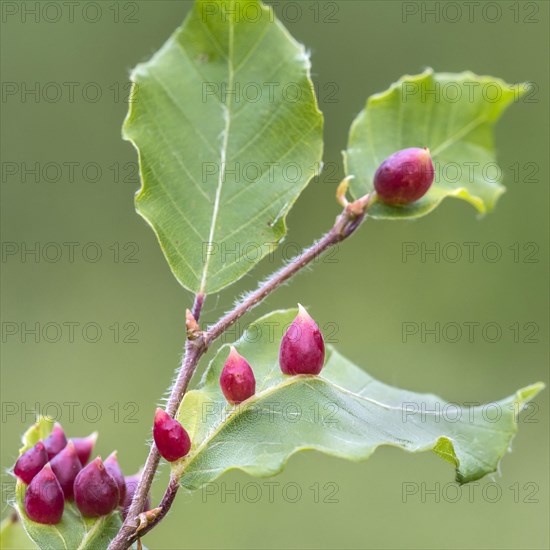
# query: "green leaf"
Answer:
x=73 y=532
x=228 y=133
x=451 y=114
x=343 y=412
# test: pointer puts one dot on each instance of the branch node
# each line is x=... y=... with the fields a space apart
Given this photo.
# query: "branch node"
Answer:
x=145 y=518
x=191 y=325
x=361 y=205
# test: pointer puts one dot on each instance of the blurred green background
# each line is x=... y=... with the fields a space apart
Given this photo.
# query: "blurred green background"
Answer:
x=365 y=293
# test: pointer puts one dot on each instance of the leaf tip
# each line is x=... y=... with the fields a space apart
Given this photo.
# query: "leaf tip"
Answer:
x=526 y=394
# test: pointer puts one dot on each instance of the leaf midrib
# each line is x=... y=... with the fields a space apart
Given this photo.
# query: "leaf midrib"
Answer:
x=91 y=533
x=223 y=153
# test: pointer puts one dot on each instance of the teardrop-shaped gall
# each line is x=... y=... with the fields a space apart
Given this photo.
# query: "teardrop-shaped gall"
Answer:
x=95 y=490
x=112 y=466
x=131 y=487
x=31 y=462
x=302 y=348
x=65 y=466
x=405 y=176
x=84 y=447
x=44 y=502
x=56 y=441
x=170 y=437
x=237 y=378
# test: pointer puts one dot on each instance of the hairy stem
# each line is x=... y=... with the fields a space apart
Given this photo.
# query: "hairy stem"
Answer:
x=346 y=224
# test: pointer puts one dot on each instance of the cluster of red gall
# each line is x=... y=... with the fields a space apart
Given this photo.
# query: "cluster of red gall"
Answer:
x=302 y=351
x=56 y=470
